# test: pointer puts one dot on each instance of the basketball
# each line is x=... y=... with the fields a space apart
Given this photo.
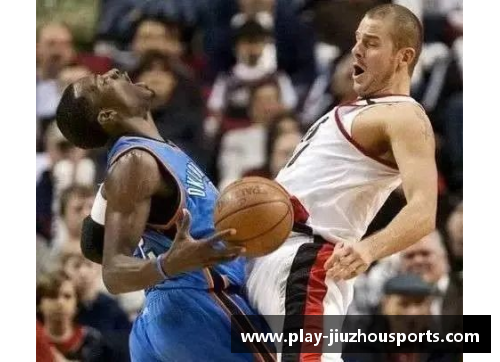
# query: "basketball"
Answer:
x=261 y=212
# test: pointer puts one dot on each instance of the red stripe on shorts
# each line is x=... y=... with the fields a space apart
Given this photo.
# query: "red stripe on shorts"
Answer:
x=316 y=292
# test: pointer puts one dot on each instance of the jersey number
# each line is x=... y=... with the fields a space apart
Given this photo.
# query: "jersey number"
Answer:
x=305 y=141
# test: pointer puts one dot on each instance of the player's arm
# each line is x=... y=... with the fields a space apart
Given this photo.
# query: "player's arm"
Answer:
x=129 y=186
x=409 y=133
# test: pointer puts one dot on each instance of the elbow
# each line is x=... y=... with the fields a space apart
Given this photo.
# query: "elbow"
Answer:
x=110 y=281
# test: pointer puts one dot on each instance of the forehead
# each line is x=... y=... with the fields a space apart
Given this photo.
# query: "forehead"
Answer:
x=54 y=32
x=375 y=27
x=151 y=27
x=86 y=86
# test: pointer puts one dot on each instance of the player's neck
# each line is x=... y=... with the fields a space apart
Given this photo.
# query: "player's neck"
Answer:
x=396 y=87
x=59 y=331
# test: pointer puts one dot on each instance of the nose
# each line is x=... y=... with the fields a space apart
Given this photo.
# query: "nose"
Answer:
x=356 y=50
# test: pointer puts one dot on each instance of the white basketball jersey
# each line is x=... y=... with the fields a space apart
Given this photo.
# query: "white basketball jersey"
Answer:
x=338 y=183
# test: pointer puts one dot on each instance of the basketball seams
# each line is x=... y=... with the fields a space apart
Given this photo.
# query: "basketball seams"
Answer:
x=243 y=208
x=265 y=232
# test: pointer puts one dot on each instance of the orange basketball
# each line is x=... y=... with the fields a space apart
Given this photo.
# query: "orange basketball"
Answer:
x=261 y=212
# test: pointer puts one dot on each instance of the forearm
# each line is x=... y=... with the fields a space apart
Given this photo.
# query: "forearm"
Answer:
x=122 y=274
x=412 y=223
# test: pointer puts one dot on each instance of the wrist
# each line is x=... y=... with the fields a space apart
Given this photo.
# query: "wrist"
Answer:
x=160 y=266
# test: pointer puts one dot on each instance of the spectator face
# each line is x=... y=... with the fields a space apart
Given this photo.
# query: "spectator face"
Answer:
x=82 y=272
x=282 y=151
x=161 y=81
x=426 y=258
x=249 y=52
x=155 y=36
x=70 y=75
x=61 y=306
x=266 y=104
x=375 y=56
x=77 y=209
x=54 y=49
x=455 y=228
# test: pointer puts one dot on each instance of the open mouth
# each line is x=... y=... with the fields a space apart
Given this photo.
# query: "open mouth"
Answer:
x=357 y=70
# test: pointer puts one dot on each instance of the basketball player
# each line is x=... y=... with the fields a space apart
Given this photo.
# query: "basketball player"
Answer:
x=151 y=189
x=342 y=172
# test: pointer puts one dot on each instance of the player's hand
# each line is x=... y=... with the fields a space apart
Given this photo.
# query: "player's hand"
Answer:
x=187 y=254
x=348 y=261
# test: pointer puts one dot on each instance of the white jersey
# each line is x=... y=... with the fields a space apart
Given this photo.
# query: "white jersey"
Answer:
x=339 y=184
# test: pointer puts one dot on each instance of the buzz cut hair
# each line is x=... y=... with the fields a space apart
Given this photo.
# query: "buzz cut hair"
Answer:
x=76 y=117
x=407 y=30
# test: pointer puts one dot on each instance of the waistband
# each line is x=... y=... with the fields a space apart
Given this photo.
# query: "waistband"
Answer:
x=307 y=230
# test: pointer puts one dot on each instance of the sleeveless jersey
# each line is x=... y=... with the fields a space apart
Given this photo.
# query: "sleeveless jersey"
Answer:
x=198 y=195
x=340 y=185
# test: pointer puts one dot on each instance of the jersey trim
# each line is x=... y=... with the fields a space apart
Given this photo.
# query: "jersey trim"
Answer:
x=182 y=198
x=358 y=146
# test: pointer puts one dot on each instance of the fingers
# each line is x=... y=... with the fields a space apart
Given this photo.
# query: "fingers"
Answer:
x=338 y=253
x=219 y=235
x=184 y=223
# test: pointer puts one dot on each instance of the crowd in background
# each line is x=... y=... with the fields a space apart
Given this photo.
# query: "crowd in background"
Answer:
x=237 y=82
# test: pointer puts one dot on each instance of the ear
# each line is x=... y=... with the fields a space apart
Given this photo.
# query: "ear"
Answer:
x=107 y=117
x=407 y=56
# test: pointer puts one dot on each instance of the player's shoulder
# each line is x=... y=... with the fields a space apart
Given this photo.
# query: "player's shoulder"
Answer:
x=136 y=169
x=396 y=111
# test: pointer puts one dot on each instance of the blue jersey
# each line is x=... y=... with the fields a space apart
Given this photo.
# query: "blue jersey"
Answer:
x=198 y=195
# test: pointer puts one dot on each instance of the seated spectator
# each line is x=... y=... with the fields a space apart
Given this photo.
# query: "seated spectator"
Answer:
x=177 y=107
x=294 y=35
x=55 y=51
x=283 y=136
x=427 y=258
x=329 y=89
x=97 y=309
x=245 y=149
x=74 y=205
x=256 y=62
x=159 y=34
x=407 y=299
x=56 y=307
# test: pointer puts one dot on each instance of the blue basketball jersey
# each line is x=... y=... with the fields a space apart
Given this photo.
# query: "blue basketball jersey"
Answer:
x=198 y=195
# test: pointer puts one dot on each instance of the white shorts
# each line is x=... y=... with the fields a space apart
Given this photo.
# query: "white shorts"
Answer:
x=292 y=281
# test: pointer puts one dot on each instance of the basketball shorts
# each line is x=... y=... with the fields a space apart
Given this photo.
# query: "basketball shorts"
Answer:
x=291 y=281
x=192 y=325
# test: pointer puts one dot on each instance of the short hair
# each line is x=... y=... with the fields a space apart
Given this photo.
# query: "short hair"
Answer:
x=48 y=286
x=407 y=30
x=73 y=190
x=255 y=87
x=76 y=117
x=251 y=31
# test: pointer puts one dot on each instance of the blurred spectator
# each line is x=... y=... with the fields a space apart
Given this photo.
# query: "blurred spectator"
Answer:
x=406 y=301
x=256 y=62
x=56 y=306
x=293 y=36
x=177 y=107
x=74 y=205
x=427 y=258
x=331 y=88
x=283 y=135
x=54 y=50
x=97 y=309
x=157 y=34
x=245 y=149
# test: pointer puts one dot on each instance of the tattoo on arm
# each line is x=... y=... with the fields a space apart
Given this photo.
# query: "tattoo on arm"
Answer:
x=427 y=131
